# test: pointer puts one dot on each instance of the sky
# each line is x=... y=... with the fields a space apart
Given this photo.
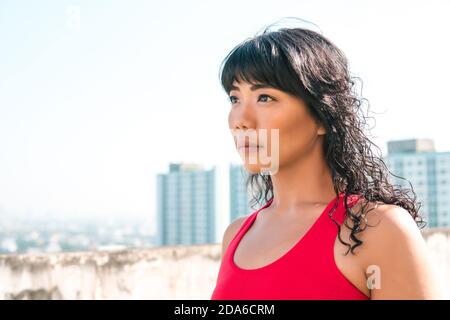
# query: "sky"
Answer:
x=96 y=98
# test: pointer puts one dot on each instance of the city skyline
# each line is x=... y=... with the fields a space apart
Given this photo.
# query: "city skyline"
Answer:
x=196 y=203
x=91 y=109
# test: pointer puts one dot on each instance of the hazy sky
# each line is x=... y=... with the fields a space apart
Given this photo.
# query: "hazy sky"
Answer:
x=97 y=97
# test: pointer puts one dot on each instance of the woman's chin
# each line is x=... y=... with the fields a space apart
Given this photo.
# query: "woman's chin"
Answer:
x=253 y=168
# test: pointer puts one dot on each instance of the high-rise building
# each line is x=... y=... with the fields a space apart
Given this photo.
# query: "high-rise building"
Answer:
x=239 y=196
x=186 y=205
x=429 y=173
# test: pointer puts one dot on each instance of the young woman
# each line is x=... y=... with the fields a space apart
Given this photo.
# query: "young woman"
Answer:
x=330 y=194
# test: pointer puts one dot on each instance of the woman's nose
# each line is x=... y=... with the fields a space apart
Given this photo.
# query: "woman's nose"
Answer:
x=242 y=117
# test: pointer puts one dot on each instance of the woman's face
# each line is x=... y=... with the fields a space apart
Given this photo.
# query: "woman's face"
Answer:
x=259 y=107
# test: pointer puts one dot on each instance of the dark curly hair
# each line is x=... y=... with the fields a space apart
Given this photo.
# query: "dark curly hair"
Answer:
x=307 y=65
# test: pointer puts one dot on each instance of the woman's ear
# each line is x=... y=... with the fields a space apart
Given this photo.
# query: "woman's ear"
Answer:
x=320 y=127
x=321 y=131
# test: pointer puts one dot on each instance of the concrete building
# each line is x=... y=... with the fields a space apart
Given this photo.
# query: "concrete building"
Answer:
x=239 y=196
x=186 y=211
x=429 y=173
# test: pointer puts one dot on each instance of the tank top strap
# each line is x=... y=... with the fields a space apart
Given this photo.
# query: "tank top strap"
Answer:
x=248 y=221
x=339 y=213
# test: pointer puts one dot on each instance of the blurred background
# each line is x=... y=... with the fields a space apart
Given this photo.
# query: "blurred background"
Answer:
x=117 y=167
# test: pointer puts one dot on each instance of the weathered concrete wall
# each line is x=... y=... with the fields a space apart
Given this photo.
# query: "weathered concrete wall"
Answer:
x=438 y=241
x=176 y=272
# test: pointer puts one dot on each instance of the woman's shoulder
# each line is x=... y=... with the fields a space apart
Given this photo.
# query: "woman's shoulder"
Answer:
x=383 y=226
x=238 y=223
x=395 y=250
x=232 y=229
x=382 y=221
x=393 y=253
x=384 y=218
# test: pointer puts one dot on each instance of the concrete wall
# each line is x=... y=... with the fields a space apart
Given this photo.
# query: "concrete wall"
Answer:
x=176 y=272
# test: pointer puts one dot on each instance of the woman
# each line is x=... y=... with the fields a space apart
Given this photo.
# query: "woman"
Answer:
x=329 y=193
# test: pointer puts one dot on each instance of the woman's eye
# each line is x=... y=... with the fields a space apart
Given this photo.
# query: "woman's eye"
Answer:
x=262 y=95
x=265 y=95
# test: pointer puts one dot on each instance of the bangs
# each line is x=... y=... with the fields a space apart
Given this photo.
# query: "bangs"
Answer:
x=259 y=61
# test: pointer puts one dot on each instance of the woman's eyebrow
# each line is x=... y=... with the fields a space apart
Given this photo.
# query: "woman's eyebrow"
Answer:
x=254 y=87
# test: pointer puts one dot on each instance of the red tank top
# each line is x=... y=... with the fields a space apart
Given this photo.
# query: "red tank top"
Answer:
x=307 y=271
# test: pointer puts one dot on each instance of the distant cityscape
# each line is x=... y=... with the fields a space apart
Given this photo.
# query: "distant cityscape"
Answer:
x=190 y=211
x=34 y=235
